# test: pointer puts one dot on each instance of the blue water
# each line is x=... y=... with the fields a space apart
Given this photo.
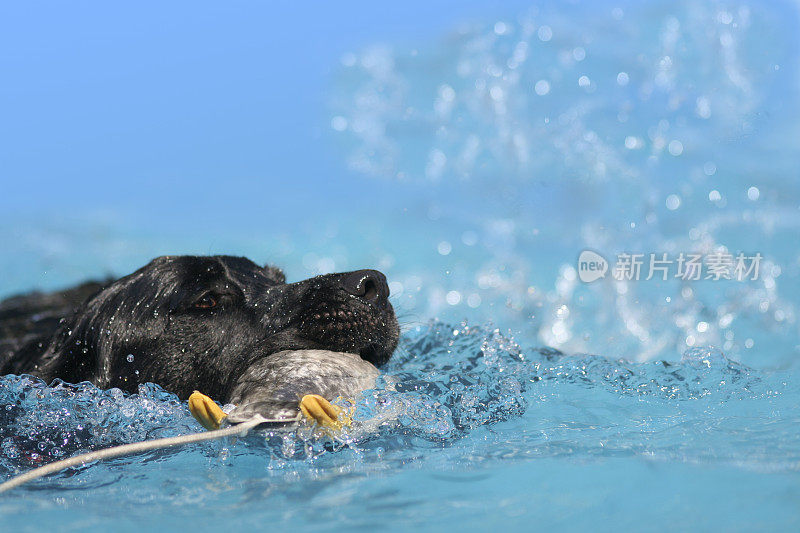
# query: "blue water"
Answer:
x=471 y=153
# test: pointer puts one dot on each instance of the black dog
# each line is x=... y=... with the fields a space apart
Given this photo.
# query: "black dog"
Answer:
x=191 y=323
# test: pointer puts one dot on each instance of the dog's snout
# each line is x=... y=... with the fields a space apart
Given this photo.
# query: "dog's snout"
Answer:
x=367 y=284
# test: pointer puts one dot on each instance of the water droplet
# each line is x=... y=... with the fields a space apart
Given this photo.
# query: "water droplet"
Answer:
x=703 y=107
x=673 y=202
x=496 y=93
x=724 y=17
x=633 y=143
x=473 y=300
x=470 y=238
x=675 y=148
x=545 y=33
x=542 y=87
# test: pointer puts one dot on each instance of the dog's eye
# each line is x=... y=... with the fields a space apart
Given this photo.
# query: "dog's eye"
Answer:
x=206 y=302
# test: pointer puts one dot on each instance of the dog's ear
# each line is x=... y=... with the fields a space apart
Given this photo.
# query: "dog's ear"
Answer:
x=121 y=317
x=275 y=274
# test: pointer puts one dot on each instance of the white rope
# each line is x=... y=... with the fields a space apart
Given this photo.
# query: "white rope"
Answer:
x=136 y=447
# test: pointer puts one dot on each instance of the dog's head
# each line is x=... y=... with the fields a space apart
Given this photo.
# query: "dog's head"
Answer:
x=188 y=322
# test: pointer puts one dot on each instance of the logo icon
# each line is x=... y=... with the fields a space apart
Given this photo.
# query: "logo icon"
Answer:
x=591 y=266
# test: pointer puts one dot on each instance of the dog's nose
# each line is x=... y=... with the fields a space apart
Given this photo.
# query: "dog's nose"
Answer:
x=367 y=284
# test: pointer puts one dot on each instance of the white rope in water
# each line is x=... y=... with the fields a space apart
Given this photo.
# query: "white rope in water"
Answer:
x=126 y=449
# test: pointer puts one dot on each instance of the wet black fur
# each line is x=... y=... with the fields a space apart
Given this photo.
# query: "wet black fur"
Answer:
x=146 y=327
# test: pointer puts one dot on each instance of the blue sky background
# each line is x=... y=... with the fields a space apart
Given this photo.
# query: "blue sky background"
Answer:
x=132 y=131
x=186 y=112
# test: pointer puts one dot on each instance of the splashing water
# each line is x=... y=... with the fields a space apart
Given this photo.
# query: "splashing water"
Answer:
x=556 y=152
x=457 y=398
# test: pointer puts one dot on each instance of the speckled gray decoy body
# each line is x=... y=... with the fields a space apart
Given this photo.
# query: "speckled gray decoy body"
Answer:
x=273 y=388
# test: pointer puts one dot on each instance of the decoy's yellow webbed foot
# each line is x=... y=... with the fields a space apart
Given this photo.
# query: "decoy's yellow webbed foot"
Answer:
x=317 y=409
x=313 y=406
x=205 y=411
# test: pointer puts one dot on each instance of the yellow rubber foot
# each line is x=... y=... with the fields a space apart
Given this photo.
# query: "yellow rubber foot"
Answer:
x=205 y=410
x=317 y=409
